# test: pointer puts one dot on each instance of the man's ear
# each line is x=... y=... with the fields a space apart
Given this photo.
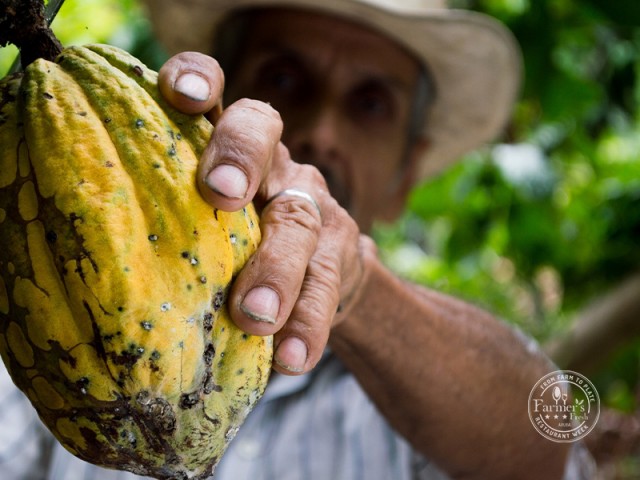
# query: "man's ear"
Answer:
x=407 y=179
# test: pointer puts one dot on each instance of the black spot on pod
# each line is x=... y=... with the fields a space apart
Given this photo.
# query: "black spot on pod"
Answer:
x=153 y=237
x=218 y=300
x=139 y=123
x=51 y=236
x=137 y=69
x=209 y=353
x=207 y=322
x=82 y=385
x=158 y=410
x=210 y=385
x=189 y=400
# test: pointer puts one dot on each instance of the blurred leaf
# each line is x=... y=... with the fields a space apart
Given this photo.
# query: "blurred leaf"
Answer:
x=488 y=227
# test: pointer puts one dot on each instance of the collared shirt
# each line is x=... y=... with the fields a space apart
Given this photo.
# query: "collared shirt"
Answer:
x=318 y=426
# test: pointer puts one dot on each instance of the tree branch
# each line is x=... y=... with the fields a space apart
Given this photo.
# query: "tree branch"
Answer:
x=612 y=321
x=23 y=23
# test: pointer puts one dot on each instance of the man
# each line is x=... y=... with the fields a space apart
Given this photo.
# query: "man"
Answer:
x=376 y=378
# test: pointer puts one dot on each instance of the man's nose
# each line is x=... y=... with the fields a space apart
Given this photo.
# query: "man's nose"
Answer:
x=316 y=136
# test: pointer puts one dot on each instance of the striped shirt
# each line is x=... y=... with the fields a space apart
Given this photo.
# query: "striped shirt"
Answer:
x=318 y=426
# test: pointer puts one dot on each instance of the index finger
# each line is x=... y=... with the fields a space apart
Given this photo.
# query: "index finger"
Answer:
x=239 y=155
x=192 y=83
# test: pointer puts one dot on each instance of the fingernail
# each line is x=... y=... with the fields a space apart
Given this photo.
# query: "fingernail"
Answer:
x=261 y=304
x=228 y=180
x=192 y=86
x=291 y=354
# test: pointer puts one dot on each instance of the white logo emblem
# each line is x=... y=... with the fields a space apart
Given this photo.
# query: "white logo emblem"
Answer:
x=564 y=406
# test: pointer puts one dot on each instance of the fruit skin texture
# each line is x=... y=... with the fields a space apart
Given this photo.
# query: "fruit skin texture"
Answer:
x=114 y=271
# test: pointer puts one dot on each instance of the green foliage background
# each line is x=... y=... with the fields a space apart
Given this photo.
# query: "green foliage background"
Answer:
x=538 y=241
x=537 y=238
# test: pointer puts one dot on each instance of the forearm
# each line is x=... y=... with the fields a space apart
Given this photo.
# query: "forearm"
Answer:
x=449 y=377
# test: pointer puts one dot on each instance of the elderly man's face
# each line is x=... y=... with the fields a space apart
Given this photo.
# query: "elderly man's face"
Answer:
x=344 y=94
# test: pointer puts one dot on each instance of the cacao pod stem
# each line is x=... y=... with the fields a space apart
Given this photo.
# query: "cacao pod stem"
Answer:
x=23 y=23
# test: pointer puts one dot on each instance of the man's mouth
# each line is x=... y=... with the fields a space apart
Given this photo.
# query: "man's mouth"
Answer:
x=338 y=186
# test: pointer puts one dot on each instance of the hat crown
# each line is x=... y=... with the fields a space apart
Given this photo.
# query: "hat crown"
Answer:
x=409 y=4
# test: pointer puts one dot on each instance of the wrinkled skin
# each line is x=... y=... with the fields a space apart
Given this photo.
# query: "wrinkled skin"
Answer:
x=430 y=362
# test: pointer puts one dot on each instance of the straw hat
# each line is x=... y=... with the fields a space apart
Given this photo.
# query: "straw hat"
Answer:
x=474 y=60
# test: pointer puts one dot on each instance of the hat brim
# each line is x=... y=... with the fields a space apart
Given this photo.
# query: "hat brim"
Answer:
x=474 y=60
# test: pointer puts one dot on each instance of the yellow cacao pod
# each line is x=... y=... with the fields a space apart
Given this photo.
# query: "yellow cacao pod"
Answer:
x=114 y=271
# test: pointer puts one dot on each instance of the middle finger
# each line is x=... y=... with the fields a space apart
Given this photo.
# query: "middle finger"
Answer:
x=268 y=287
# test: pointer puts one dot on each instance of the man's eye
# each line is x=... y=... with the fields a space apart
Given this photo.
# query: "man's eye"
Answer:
x=279 y=78
x=372 y=104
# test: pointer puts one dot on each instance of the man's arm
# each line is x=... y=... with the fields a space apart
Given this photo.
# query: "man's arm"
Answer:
x=449 y=377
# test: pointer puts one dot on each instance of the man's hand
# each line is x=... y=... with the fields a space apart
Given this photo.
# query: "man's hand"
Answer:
x=308 y=265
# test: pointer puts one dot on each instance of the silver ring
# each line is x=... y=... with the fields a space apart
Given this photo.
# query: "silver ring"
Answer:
x=294 y=192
